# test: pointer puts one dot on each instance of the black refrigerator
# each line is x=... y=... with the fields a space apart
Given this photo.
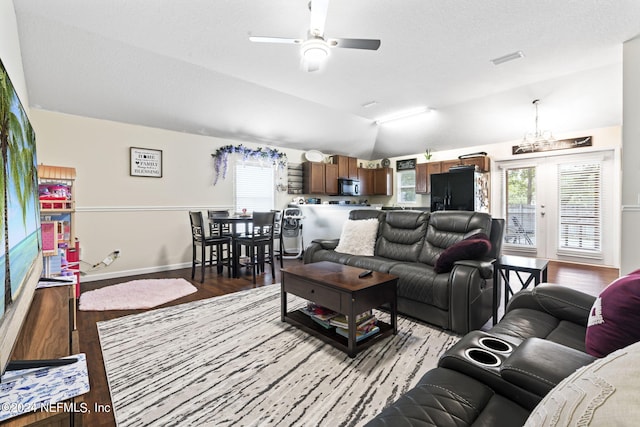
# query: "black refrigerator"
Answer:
x=460 y=190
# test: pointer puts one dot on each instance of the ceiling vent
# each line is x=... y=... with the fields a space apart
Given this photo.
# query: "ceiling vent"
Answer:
x=507 y=58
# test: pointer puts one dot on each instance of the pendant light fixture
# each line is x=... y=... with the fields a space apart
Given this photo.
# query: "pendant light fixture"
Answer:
x=538 y=140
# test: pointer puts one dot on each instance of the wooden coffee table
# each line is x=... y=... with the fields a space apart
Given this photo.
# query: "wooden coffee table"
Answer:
x=338 y=288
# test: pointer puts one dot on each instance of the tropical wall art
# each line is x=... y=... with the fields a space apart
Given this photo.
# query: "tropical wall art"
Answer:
x=20 y=259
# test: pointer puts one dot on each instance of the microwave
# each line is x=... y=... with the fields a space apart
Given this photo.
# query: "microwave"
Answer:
x=348 y=187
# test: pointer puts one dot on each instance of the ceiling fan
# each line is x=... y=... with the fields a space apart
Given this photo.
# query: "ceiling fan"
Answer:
x=316 y=47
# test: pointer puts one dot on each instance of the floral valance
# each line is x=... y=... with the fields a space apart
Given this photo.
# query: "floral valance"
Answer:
x=221 y=157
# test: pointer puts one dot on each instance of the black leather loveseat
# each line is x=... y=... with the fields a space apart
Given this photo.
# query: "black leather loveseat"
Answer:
x=408 y=245
x=529 y=369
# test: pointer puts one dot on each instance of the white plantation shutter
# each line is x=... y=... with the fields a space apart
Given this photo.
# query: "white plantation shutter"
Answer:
x=254 y=186
x=580 y=202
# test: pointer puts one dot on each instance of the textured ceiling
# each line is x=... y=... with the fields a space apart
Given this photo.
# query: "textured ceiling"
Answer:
x=189 y=66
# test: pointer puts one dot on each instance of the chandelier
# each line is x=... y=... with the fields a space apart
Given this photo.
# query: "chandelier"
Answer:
x=538 y=140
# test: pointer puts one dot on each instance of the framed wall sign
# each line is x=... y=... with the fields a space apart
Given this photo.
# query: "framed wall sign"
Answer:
x=562 y=144
x=406 y=164
x=146 y=162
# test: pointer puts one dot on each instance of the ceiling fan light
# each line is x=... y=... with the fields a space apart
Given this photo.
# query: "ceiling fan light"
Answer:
x=315 y=50
x=507 y=58
x=405 y=114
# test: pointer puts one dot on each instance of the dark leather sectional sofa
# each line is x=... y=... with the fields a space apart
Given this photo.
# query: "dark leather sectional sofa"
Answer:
x=408 y=244
x=496 y=378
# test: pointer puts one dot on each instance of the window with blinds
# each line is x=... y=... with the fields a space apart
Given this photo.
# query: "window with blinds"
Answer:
x=254 y=186
x=407 y=186
x=580 y=216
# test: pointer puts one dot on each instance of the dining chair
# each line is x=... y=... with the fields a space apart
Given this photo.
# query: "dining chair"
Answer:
x=218 y=229
x=277 y=235
x=199 y=238
x=258 y=243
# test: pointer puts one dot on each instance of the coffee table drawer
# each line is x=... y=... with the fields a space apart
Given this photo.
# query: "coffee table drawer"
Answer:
x=314 y=292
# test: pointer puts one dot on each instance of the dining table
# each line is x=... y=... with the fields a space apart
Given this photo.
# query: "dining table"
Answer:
x=234 y=221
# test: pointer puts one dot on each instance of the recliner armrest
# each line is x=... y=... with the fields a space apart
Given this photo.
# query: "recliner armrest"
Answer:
x=559 y=301
x=328 y=244
x=485 y=267
x=538 y=365
x=317 y=245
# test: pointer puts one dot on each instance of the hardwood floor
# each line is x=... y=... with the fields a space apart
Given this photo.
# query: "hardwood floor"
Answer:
x=213 y=285
x=588 y=279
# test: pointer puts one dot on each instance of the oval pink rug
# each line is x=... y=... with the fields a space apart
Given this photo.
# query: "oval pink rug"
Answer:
x=135 y=295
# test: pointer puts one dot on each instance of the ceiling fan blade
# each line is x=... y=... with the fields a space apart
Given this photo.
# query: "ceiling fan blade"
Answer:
x=260 y=39
x=318 y=17
x=370 y=44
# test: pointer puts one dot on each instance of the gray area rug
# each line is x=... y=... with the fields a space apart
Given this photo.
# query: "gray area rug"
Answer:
x=230 y=361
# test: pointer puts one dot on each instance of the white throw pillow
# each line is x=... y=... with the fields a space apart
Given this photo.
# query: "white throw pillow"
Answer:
x=358 y=237
x=604 y=393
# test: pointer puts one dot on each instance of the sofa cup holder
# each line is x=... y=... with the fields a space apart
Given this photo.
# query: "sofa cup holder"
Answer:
x=495 y=345
x=482 y=357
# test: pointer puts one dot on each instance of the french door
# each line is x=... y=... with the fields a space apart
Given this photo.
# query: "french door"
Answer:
x=560 y=207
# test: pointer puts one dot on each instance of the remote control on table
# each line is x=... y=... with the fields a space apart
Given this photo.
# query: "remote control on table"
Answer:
x=365 y=273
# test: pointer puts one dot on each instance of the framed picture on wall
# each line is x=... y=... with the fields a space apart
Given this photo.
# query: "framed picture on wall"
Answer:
x=146 y=162
x=406 y=164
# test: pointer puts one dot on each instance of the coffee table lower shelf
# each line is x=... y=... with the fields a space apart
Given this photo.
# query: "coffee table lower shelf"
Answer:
x=331 y=337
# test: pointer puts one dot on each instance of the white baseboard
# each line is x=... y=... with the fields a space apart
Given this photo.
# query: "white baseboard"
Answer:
x=91 y=277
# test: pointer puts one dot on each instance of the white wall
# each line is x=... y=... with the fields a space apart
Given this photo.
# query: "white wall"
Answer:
x=630 y=164
x=10 y=50
x=145 y=218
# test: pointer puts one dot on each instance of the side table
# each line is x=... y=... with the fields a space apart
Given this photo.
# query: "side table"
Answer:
x=536 y=269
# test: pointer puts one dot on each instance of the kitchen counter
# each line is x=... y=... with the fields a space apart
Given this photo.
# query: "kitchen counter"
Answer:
x=408 y=208
x=325 y=221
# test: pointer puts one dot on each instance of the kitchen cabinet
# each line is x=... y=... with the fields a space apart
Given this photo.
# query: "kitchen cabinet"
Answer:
x=365 y=176
x=320 y=178
x=383 y=182
x=445 y=165
x=423 y=176
x=331 y=178
x=482 y=163
x=313 y=178
x=347 y=166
